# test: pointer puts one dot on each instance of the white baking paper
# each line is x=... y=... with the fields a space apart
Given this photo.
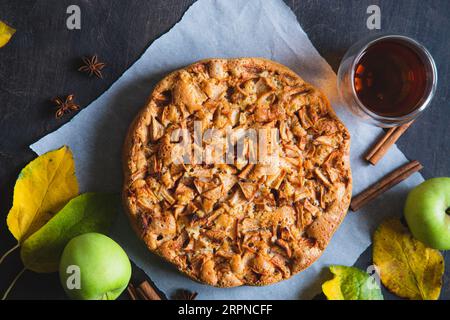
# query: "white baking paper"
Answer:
x=231 y=28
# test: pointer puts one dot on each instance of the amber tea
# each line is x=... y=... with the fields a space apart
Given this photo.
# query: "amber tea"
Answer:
x=390 y=78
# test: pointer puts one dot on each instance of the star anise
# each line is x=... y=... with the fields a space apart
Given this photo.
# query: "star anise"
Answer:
x=65 y=106
x=185 y=295
x=92 y=66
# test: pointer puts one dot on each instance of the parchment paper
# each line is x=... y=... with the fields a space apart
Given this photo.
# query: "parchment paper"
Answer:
x=231 y=28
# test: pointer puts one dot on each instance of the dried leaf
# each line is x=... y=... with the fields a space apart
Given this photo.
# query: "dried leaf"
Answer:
x=6 y=32
x=407 y=267
x=90 y=212
x=350 y=283
x=43 y=187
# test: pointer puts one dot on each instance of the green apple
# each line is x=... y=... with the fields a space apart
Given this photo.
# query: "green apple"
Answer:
x=427 y=212
x=94 y=267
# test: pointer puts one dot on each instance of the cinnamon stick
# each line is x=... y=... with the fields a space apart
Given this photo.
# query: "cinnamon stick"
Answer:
x=141 y=294
x=147 y=292
x=132 y=292
x=382 y=146
x=387 y=182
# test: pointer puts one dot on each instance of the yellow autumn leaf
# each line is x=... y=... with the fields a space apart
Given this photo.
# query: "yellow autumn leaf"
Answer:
x=43 y=187
x=6 y=32
x=407 y=267
x=350 y=283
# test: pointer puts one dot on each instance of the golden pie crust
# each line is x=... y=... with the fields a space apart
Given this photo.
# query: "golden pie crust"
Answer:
x=242 y=223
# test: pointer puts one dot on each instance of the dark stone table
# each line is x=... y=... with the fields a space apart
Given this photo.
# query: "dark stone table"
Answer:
x=41 y=60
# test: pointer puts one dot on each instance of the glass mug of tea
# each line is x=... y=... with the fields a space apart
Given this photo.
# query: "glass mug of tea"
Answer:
x=387 y=80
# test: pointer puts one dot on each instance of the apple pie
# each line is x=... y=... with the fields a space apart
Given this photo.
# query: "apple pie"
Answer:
x=225 y=217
